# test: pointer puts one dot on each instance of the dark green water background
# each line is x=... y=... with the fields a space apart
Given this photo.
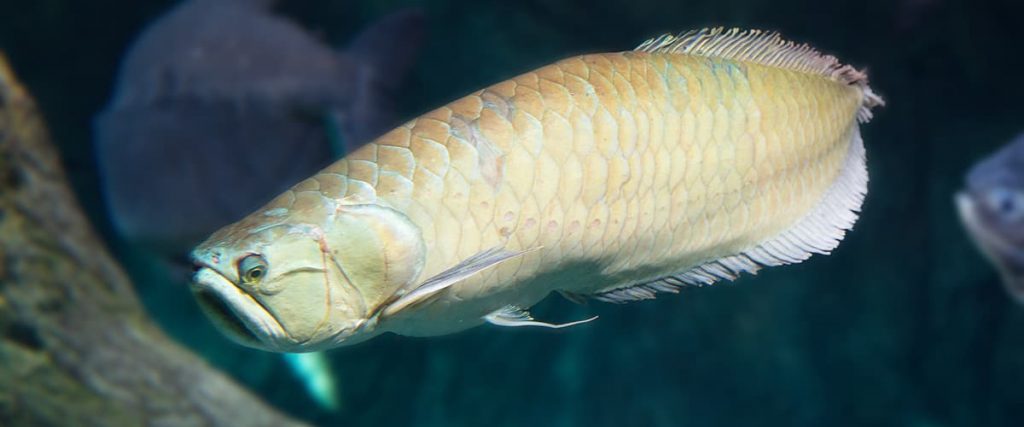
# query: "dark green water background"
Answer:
x=904 y=325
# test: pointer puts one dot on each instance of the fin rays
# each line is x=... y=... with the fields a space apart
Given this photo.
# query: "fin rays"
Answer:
x=463 y=270
x=765 y=48
x=818 y=232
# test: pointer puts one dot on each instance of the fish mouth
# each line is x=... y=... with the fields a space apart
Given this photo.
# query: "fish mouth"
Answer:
x=221 y=314
x=965 y=207
x=987 y=240
x=994 y=247
x=237 y=314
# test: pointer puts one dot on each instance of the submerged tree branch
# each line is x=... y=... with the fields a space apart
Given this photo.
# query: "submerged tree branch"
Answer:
x=76 y=347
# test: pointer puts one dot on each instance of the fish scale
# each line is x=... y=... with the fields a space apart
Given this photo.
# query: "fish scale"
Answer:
x=604 y=108
x=619 y=175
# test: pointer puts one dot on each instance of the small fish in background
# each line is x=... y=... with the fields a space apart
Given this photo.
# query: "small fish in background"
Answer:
x=991 y=208
x=221 y=104
x=614 y=176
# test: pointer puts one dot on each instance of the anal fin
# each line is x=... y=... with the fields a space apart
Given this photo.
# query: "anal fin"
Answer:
x=817 y=232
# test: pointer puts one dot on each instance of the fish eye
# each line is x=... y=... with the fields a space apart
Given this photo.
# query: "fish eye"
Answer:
x=1008 y=204
x=252 y=269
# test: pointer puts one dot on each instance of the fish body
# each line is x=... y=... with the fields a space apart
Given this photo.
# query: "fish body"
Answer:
x=991 y=207
x=253 y=91
x=613 y=176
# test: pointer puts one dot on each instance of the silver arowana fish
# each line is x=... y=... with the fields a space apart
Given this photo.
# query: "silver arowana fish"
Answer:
x=613 y=176
x=992 y=210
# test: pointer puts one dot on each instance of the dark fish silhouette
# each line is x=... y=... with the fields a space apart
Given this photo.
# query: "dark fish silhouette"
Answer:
x=221 y=104
x=992 y=210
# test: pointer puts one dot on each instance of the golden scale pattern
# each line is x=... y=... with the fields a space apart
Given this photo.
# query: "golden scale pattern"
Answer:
x=576 y=157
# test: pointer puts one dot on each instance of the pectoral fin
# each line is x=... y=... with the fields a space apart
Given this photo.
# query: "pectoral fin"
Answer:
x=461 y=271
x=513 y=316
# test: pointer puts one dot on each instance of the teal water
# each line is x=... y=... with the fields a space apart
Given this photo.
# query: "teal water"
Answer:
x=905 y=324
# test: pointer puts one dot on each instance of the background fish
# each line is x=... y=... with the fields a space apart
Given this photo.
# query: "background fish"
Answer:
x=220 y=104
x=992 y=210
x=612 y=176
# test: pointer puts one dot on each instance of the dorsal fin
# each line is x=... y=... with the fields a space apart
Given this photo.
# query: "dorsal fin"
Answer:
x=765 y=48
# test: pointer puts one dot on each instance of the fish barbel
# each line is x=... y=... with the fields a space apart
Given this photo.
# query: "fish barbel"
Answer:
x=614 y=176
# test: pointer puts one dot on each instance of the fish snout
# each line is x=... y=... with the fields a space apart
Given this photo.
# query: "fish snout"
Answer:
x=235 y=312
x=205 y=257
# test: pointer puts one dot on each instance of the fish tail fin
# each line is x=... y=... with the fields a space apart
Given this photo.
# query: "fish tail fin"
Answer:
x=870 y=100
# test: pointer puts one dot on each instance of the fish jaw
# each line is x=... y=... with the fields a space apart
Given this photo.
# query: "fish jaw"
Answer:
x=237 y=314
x=998 y=252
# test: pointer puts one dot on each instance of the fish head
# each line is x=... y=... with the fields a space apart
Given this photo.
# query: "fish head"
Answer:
x=306 y=280
x=991 y=208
